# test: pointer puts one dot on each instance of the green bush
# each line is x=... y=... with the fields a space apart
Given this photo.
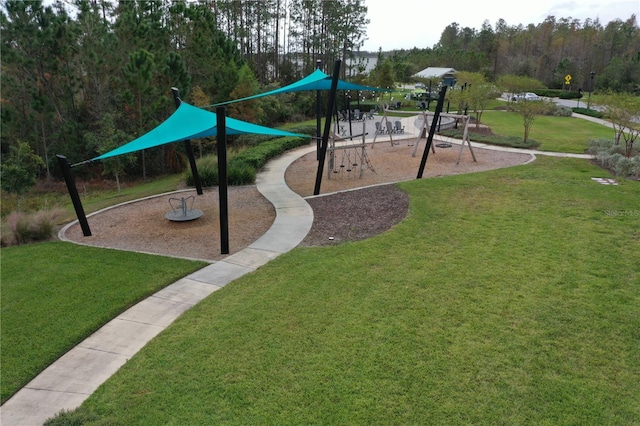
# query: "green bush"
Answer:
x=589 y=112
x=611 y=157
x=239 y=173
x=257 y=156
x=626 y=167
x=561 y=111
x=569 y=95
x=553 y=93
x=207 y=171
x=243 y=166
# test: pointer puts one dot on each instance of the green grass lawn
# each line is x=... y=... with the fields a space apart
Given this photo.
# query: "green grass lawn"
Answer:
x=56 y=294
x=505 y=297
x=557 y=134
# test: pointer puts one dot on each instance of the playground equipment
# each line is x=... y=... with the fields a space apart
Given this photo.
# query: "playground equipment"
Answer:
x=424 y=122
x=353 y=156
x=182 y=209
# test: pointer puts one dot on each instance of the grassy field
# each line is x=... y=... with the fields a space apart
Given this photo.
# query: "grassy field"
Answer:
x=55 y=294
x=505 y=297
x=556 y=134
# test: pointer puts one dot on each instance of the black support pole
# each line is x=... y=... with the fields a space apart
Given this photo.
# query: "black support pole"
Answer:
x=318 y=115
x=349 y=115
x=188 y=148
x=221 y=122
x=73 y=192
x=432 y=131
x=327 y=125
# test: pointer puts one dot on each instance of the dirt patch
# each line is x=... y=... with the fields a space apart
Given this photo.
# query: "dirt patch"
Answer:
x=344 y=215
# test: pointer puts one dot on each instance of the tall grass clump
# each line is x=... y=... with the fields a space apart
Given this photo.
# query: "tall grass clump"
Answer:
x=207 y=170
x=21 y=228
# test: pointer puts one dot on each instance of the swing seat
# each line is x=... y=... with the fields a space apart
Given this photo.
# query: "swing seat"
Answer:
x=444 y=145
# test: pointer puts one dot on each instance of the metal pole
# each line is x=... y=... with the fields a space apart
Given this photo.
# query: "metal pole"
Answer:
x=593 y=73
x=349 y=113
x=188 y=148
x=432 y=131
x=327 y=125
x=318 y=114
x=221 y=123
x=73 y=192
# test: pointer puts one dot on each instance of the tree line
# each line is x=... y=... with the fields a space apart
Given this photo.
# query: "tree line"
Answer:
x=81 y=77
x=547 y=52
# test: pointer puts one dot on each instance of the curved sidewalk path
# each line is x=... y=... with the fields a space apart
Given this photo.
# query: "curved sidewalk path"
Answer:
x=66 y=383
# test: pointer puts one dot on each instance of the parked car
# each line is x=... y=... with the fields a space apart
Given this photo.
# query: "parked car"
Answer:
x=526 y=97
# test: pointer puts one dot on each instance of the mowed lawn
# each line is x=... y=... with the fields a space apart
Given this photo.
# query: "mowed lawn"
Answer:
x=57 y=293
x=557 y=134
x=505 y=297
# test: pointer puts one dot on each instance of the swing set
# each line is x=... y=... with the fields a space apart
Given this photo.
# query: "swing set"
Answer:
x=424 y=129
x=426 y=118
x=353 y=155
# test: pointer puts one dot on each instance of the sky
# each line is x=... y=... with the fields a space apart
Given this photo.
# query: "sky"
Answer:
x=404 y=24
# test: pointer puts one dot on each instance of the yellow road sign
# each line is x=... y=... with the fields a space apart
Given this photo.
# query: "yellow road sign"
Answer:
x=567 y=79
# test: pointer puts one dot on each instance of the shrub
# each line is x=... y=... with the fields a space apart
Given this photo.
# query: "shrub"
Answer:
x=625 y=167
x=556 y=93
x=589 y=112
x=241 y=174
x=251 y=140
x=207 y=170
x=562 y=111
x=598 y=145
x=257 y=156
x=611 y=157
x=569 y=95
x=21 y=228
x=243 y=166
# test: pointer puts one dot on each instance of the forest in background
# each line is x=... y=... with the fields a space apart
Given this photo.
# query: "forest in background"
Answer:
x=83 y=76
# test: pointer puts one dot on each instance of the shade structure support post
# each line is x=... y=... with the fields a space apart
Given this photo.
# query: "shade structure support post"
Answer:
x=327 y=125
x=318 y=115
x=188 y=148
x=432 y=131
x=221 y=144
x=73 y=193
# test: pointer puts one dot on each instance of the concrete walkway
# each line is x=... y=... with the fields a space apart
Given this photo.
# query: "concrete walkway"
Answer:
x=66 y=383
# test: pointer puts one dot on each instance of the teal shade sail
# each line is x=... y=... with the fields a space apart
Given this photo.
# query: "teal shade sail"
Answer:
x=190 y=122
x=317 y=80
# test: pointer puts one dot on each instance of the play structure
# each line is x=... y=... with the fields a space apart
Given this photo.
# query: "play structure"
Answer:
x=389 y=127
x=182 y=209
x=424 y=122
x=346 y=157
